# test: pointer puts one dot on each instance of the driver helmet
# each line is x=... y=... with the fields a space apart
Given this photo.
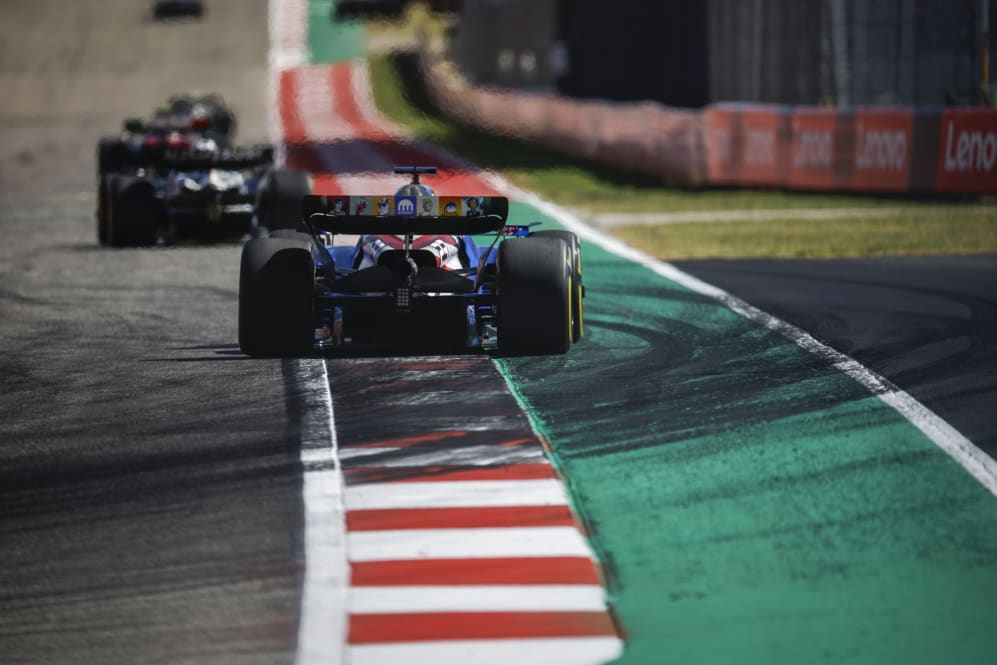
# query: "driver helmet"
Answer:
x=415 y=190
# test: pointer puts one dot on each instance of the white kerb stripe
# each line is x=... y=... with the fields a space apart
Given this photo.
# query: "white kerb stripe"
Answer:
x=457 y=494
x=483 y=455
x=468 y=598
x=322 y=624
x=314 y=103
x=408 y=544
x=543 y=651
x=288 y=28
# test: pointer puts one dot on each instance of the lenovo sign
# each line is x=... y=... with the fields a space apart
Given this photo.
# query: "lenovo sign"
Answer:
x=970 y=151
x=967 y=159
x=881 y=157
x=874 y=149
x=814 y=149
x=884 y=150
x=763 y=146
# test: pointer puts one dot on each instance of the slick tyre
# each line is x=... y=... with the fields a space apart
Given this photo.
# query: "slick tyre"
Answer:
x=278 y=204
x=534 y=296
x=577 y=288
x=112 y=155
x=131 y=218
x=276 y=297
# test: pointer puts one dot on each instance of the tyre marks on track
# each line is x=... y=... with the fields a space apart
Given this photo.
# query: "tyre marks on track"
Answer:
x=461 y=540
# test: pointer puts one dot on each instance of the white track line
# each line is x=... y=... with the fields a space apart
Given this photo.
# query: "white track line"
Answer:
x=322 y=626
x=287 y=27
x=288 y=31
x=976 y=462
x=471 y=598
x=545 y=651
x=323 y=623
x=408 y=544
x=457 y=494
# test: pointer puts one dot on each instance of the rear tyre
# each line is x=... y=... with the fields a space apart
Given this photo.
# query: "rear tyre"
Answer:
x=131 y=219
x=276 y=297
x=577 y=289
x=112 y=155
x=534 y=296
x=278 y=202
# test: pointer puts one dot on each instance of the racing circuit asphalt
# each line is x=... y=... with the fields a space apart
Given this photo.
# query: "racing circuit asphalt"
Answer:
x=150 y=484
x=149 y=473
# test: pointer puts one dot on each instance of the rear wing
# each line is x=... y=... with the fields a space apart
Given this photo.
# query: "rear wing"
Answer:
x=406 y=215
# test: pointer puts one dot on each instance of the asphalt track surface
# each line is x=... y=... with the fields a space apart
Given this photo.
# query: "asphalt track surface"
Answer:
x=149 y=473
x=928 y=324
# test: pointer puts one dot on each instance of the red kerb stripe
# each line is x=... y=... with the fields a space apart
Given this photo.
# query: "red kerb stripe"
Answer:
x=458 y=518
x=525 y=570
x=426 y=474
x=405 y=441
x=378 y=628
x=287 y=104
x=300 y=152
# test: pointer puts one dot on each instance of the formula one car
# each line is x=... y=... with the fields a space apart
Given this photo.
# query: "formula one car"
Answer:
x=201 y=191
x=218 y=120
x=175 y=125
x=427 y=270
x=174 y=8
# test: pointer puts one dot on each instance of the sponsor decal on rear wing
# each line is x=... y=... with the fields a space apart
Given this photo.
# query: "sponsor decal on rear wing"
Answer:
x=406 y=215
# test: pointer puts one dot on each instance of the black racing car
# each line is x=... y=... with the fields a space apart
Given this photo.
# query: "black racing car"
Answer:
x=177 y=8
x=200 y=192
x=175 y=125
x=429 y=271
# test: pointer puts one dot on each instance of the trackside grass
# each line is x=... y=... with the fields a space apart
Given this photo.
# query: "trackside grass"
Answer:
x=906 y=230
x=895 y=225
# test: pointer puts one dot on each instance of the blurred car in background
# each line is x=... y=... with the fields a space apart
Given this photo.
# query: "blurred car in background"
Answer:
x=177 y=122
x=177 y=175
x=177 y=8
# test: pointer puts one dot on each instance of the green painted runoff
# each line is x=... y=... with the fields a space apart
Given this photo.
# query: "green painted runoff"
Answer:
x=752 y=504
x=329 y=41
